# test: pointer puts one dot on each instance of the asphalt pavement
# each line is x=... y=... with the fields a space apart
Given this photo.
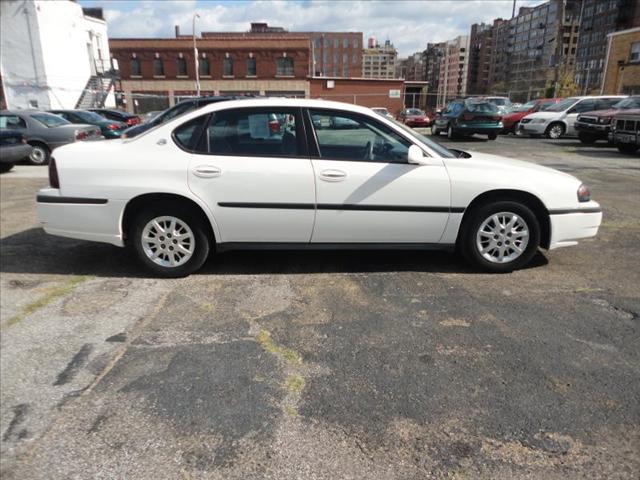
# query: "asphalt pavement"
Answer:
x=325 y=365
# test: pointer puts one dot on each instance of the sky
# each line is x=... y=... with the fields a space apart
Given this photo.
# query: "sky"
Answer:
x=409 y=24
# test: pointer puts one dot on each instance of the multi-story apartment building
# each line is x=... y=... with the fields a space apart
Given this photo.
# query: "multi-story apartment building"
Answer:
x=157 y=72
x=480 y=54
x=431 y=62
x=452 y=82
x=411 y=68
x=334 y=54
x=599 y=19
x=379 y=61
x=535 y=50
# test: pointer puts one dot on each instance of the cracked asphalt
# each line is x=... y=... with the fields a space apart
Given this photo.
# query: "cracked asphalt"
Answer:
x=350 y=365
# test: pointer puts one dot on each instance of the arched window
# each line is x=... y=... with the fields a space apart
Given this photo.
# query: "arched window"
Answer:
x=284 y=67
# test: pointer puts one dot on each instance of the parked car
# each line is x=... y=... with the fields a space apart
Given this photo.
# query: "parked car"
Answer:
x=596 y=125
x=625 y=131
x=45 y=131
x=414 y=117
x=13 y=148
x=503 y=103
x=177 y=110
x=559 y=120
x=511 y=120
x=108 y=128
x=199 y=183
x=466 y=117
x=117 y=115
x=383 y=112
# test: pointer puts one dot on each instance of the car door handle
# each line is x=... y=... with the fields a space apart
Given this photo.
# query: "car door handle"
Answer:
x=207 y=171
x=332 y=175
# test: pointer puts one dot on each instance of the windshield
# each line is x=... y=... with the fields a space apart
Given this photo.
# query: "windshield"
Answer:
x=544 y=106
x=565 y=104
x=436 y=147
x=414 y=111
x=499 y=101
x=627 y=103
x=49 y=120
x=89 y=117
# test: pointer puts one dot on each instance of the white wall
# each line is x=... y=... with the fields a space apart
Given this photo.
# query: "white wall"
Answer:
x=55 y=61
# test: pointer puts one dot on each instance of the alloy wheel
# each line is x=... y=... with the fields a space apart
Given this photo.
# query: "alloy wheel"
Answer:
x=168 y=241
x=38 y=155
x=555 y=132
x=502 y=237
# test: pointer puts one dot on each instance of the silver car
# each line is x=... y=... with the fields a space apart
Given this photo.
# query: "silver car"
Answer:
x=45 y=131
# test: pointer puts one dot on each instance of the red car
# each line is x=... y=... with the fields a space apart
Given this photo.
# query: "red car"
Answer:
x=510 y=120
x=414 y=117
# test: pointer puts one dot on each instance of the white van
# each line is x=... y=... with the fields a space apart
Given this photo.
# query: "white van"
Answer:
x=558 y=120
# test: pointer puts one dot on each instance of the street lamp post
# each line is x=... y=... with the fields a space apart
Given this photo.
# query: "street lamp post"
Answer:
x=195 y=55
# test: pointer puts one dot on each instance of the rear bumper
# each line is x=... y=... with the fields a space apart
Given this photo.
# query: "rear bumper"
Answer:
x=569 y=226
x=90 y=219
x=14 y=153
x=414 y=123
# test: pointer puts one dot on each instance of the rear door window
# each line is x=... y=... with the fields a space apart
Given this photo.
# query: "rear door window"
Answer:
x=256 y=132
x=12 y=122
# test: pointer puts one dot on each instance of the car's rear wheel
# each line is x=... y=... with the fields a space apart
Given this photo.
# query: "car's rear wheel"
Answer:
x=170 y=241
x=492 y=136
x=39 y=154
x=500 y=236
x=451 y=134
x=554 y=131
x=626 y=148
x=586 y=138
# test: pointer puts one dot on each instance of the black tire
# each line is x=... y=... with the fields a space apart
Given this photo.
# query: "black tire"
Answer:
x=201 y=238
x=40 y=154
x=5 y=167
x=451 y=133
x=472 y=224
x=586 y=138
x=552 y=131
x=492 y=136
x=626 y=148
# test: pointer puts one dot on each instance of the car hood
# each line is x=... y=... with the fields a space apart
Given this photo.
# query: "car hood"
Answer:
x=545 y=115
x=601 y=113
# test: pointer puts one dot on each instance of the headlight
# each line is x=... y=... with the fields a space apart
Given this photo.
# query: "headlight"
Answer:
x=604 y=120
x=584 y=195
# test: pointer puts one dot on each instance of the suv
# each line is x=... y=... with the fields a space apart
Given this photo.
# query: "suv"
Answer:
x=178 y=109
x=466 y=117
x=559 y=120
x=594 y=126
x=625 y=131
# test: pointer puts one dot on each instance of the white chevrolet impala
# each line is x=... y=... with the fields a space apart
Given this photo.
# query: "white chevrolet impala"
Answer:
x=286 y=173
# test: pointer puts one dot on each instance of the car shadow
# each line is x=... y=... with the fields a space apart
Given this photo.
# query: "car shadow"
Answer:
x=33 y=251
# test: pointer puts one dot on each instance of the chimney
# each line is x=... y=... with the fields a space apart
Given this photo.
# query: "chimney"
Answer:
x=177 y=31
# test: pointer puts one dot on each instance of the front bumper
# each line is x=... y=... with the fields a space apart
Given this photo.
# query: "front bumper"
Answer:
x=593 y=128
x=569 y=226
x=92 y=219
x=417 y=123
x=532 y=128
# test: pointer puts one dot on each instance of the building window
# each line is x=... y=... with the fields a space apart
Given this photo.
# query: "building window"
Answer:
x=355 y=43
x=354 y=60
x=158 y=67
x=204 y=67
x=326 y=42
x=227 y=67
x=135 y=67
x=635 y=53
x=182 y=67
x=251 y=67
x=284 y=67
x=336 y=42
x=345 y=43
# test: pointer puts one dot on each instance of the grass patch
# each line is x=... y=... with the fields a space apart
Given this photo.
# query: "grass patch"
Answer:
x=50 y=296
x=294 y=384
x=287 y=354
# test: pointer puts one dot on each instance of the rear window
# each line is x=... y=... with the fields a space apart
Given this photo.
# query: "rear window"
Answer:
x=49 y=120
x=414 y=111
x=480 y=107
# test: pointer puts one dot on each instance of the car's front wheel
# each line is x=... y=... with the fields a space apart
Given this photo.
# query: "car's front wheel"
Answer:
x=492 y=136
x=500 y=236
x=586 y=138
x=554 y=131
x=169 y=241
x=451 y=133
x=434 y=130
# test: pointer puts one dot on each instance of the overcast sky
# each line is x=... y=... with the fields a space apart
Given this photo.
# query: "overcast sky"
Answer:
x=409 y=24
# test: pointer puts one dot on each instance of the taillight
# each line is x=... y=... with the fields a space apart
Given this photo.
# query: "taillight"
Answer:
x=80 y=135
x=54 y=181
x=133 y=121
x=113 y=126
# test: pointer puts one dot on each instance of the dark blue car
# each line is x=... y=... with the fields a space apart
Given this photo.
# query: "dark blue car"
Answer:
x=466 y=117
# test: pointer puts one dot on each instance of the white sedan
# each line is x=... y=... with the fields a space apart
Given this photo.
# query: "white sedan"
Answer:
x=277 y=173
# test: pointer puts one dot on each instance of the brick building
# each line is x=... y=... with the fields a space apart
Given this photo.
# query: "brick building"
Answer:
x=599 y=19
x=335 y=54
x=480 y=54
x=622 y=64
x=360 y=91
x=154 y=73
x=431 y=62
x=411 y=68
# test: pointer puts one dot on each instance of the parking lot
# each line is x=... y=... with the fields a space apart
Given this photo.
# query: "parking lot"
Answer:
x=386 y=365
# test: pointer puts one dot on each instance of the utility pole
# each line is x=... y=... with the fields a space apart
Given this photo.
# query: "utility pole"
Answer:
x=195 y=55
x=513 y=12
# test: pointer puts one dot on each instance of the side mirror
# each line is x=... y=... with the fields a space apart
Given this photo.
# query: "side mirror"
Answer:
x=416 y=156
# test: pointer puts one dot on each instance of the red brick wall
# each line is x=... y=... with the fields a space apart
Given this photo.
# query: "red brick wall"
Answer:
x=368 y=93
